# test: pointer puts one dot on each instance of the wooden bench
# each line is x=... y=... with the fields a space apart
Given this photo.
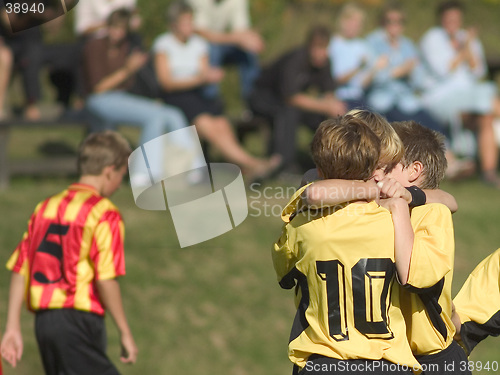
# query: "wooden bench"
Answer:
x=56 y=165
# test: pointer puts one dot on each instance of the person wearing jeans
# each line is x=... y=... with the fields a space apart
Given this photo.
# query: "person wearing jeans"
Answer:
x=109 y=67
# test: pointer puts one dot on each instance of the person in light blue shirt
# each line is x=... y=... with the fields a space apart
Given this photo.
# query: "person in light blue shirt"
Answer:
x=350 y=57
x=394 y=88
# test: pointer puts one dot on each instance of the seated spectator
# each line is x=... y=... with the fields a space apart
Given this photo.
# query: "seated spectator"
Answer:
x=109 y=69
x=27 y=48
x=30 y=54
x=183 y=70
x=226 y=25
x=297 y=87
x=394 y=89
x=91 y=15
x=352 y=68
x=456 y=61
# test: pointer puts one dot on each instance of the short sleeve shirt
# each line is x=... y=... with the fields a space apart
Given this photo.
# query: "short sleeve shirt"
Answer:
x=184 y=59
x=220 y=16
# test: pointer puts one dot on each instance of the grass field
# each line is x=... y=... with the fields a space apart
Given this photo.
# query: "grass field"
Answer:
x=216 y=307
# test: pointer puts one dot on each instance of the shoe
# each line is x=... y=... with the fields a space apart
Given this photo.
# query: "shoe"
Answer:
x=460 y=169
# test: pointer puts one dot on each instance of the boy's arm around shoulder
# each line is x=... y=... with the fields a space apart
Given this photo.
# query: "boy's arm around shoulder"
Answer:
x=441 y=196
x=110 y=294
x=433 y=247
x=12 y=341
x=403 y=235
x=332 y=192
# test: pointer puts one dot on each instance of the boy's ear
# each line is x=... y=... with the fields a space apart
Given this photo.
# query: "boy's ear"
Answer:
x=415 y=170
x=106 y=171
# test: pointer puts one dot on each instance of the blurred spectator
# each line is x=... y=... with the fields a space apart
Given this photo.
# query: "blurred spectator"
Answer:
x=5 y=73
x=27 y=50
x=91 y=15
x=226 y=25
x=394 y=88
x=352 y=68
x=109 y=69
x=297 y=88
x=31 y=54
x=456 y=61
x=183 y=70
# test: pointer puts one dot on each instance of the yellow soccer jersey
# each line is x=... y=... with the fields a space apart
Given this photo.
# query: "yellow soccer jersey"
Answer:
x=343 y=263
x=426 y=301
x=478 y=302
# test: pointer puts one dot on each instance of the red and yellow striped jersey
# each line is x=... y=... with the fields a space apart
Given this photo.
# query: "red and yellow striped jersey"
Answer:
x=73 y=239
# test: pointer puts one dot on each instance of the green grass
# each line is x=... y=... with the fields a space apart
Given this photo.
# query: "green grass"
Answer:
x=216 y=307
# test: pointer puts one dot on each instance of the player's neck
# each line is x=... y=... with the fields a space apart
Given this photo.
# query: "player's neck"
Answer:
x=95 y=181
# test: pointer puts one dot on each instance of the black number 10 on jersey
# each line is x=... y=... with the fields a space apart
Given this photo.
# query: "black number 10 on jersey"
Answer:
x=371 y=281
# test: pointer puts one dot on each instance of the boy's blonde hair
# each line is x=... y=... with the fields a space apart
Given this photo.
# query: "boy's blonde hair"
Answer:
x=391 y=147
x=345 y=148
x=100 y=150
x=426 y=146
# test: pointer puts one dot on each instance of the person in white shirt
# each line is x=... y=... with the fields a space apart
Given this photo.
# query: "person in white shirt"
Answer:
x=226 y=25
x=183 y=71
x=455 y=59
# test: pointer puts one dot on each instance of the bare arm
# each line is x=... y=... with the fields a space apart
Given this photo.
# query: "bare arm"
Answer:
x=333 y=192
x=404 y=69
x=248 y=40
x=12 y=341
x=168 y=83
x=328 y=105
x=403 y=235
x=109 y=291
x=441 y=196
x=456 y=322
x=135 y=61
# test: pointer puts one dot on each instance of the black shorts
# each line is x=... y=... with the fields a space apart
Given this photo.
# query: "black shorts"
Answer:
x=452 y=360
x=320 y=365
x=193 y=103
x=72 y=342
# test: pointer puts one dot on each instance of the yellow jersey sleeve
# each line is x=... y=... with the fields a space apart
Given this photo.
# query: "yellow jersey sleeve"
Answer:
x=284 y=257
x=478 y=302
x=427 y=310
x=434 y=245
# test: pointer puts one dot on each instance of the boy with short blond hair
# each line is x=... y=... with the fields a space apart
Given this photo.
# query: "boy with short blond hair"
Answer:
x=426 y=238
x=331 y=256
x=66 y=267
x=427 y=303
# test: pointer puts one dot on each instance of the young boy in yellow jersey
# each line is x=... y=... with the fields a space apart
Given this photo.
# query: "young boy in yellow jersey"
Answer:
x=430 y=243
x=343 y=263
x=478 y=305
x=427 y=303
x=66 y=267
x=391 y=153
